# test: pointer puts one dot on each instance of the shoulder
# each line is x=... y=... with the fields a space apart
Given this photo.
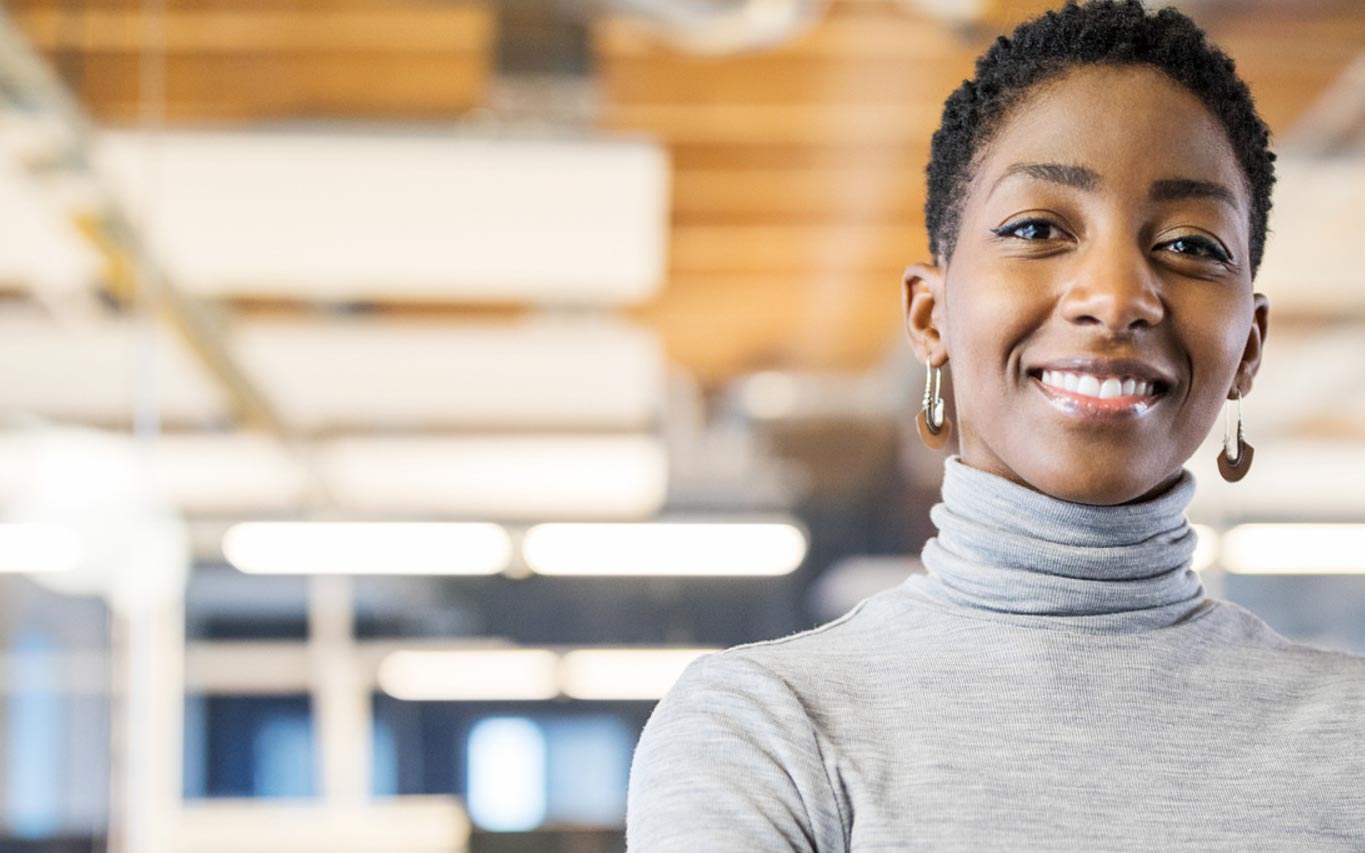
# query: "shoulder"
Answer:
x=727 y=677
x=777 y=687
x=805 y=685
x=729 y=760
x=860 y=635
x=759 y=684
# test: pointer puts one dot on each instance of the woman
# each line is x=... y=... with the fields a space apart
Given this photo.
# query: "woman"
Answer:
x=1059 y=679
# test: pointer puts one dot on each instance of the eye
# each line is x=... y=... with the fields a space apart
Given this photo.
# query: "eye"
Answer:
x=1200 y=248
x=1030 y=230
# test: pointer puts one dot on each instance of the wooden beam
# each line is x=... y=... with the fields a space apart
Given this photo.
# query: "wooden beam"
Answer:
x=784 y=124
x=851 y=192
x=230 y=60
x=288 y=86
x=871 y=32
x=766 y=79
x=794 y=249
x=723 y=325
x=706 y=156
x=405 y=28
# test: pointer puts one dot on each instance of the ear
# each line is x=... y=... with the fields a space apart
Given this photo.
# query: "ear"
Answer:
x=1251 y=355
x=922 y=298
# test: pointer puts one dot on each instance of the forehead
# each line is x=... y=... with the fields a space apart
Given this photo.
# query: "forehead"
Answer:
x=1131 y=124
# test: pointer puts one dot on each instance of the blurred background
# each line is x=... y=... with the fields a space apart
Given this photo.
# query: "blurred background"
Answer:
x=395 y=395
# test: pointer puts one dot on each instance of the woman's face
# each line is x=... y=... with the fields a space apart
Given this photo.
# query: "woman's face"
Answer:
x=1098 y=307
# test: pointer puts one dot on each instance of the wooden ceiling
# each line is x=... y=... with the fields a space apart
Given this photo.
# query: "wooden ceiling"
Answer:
x=798 y=182
x=797 y=171
x=232 y=60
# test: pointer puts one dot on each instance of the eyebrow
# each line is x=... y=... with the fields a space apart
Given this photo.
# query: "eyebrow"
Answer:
x=1082 y=178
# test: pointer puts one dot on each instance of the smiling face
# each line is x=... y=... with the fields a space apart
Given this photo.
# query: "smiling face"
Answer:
x=1098 y=308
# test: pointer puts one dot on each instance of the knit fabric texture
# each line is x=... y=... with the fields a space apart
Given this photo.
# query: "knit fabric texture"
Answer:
x=1057 y=680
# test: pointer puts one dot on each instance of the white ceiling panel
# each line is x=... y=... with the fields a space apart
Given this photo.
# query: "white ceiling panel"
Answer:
x=332 y=374
x=535 y=477
x=96 y=372
x=538 y=477
x=542 y=374
x=386 y=216
x=227 y=474
x=40 y=248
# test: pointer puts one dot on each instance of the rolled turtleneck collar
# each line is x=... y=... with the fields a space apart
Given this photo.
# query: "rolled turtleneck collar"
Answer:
x=1010 y=552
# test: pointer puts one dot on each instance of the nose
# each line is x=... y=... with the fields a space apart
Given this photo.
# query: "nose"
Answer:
x=1116 y=289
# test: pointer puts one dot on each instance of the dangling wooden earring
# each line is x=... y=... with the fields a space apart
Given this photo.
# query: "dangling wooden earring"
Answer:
x=1234 y=466
x=934 y=426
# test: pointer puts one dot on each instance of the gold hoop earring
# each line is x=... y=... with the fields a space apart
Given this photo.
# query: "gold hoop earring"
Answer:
x=932 y=422
x=1234 y=466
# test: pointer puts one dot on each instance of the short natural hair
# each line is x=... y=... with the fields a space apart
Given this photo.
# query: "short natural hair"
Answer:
x=1103 y=32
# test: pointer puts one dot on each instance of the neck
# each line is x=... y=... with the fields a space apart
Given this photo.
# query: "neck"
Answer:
x=1006 y=549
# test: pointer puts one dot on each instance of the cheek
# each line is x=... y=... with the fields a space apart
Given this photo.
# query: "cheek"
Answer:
x=989 y=316
x=1215 y=349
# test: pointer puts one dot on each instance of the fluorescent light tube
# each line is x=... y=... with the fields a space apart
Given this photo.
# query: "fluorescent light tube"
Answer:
x=664 y=548
x=380 y=548
x=608 y=674
x=1295 y=548
x=476 y=674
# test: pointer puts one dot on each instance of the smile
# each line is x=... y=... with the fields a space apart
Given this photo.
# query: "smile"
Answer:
x=1091 y=395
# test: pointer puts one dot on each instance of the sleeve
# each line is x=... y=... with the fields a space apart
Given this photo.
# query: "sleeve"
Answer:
x=729 y=761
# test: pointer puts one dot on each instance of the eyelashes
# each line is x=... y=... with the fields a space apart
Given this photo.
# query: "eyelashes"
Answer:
x=1204 y=248
x=1033 y=224
x=1207 y=246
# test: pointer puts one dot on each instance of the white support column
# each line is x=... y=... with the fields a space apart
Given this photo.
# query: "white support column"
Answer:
x=147 y=745
x=341 y=700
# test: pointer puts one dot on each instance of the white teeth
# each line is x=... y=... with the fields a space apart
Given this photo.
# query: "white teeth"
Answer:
x=1093 y=386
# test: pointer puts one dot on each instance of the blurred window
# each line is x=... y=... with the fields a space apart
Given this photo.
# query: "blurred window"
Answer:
x=579 y=759
x=222 y=603
x=33 y=771
x=1322 y=610
x=54 y=717
x=249 y=746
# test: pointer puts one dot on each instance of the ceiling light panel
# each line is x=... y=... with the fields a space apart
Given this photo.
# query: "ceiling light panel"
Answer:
x=596 y=373
x=368 y=216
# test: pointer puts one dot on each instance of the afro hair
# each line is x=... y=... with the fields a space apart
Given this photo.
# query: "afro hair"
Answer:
x=1103 y=32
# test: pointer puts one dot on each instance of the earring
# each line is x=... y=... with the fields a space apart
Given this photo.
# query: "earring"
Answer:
x=1235 y=464
x=934 y=426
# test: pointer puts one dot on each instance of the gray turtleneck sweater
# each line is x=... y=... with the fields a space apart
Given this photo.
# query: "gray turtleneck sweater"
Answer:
x=1058 y=680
